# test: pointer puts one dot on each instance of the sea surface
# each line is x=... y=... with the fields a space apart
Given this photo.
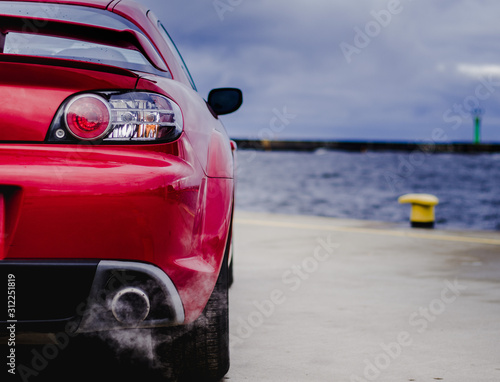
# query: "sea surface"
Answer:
x=367 y=185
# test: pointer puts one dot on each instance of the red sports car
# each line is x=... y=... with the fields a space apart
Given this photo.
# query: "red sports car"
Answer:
x=116 y=188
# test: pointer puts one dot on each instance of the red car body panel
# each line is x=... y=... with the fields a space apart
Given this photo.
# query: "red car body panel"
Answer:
x=167 y=204
x=205 y=134
x=36 y=91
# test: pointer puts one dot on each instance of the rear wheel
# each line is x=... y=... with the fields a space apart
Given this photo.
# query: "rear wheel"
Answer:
x=230 y=271
x=200 y=351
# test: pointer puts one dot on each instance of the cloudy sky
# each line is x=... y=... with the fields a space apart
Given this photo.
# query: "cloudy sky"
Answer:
x=389 y=70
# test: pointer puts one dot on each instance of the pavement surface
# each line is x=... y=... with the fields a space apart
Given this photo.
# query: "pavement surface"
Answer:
x=320 y=299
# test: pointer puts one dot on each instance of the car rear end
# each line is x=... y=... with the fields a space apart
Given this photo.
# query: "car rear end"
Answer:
x=109 y=216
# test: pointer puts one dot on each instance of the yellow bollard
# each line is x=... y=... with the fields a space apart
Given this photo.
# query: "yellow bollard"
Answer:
x=422 y=209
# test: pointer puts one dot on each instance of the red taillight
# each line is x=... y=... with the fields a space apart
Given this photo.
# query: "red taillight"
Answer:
x=117 y=116
x=88 y=117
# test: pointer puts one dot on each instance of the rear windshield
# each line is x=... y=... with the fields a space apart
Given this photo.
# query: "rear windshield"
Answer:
x=64 y=12
x=47 y=46
x=32 y=42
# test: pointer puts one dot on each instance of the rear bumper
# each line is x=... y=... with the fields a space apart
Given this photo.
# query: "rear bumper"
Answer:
x=141 y=205
x=76 y=296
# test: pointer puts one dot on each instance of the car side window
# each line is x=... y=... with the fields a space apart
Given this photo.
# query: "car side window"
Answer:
x=173 y=48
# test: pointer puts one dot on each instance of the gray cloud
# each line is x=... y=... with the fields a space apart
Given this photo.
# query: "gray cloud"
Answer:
x=287 y=54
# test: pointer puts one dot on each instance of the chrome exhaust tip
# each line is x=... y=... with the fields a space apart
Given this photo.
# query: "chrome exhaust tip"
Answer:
x=111 y=298
x=130 y=306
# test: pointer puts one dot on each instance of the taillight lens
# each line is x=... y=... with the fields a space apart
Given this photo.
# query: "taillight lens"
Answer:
x=88 y=117
x=143 y=117
x=118 y=117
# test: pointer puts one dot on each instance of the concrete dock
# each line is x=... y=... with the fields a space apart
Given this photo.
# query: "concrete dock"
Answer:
x=320 y=299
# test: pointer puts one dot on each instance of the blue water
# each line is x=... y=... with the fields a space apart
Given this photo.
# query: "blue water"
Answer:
x=367 y=185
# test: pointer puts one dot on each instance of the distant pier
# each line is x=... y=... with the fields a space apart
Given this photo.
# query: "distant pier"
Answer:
x=358 y=146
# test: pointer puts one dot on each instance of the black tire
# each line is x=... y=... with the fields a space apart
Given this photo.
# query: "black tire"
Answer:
x=230 y=271
x=200 y=351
